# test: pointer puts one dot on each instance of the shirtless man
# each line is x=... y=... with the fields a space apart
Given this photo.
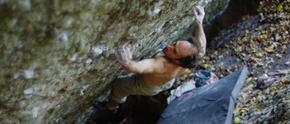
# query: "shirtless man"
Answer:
x=157 y=73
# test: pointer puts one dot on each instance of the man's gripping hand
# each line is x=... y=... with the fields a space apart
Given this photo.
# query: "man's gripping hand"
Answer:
x=125 y=56
x=199 y=14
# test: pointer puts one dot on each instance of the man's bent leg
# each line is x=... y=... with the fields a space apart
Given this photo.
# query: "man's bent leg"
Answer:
x=122 y=87
x=120 y=90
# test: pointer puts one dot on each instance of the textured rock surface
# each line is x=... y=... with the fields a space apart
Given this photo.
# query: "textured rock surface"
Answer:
x=56 y=55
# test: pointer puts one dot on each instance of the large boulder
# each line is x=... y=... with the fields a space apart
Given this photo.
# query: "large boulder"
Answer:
x=57 y=55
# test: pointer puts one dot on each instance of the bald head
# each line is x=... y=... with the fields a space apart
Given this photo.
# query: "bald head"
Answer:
x=194 y=57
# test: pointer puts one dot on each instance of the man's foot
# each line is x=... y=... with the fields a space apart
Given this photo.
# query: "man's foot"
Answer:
x=101 y=105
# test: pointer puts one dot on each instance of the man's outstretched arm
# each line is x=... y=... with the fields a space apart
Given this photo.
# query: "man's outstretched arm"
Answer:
x=139 y=67
x=199 y=14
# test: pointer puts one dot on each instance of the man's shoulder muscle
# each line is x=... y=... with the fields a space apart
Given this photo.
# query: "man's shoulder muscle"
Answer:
x=160 y=62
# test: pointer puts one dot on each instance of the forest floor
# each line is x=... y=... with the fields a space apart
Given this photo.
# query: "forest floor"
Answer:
x=264 y=48
x=262 y=44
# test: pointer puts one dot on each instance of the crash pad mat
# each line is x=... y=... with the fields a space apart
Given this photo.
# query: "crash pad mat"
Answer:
x=210 y=104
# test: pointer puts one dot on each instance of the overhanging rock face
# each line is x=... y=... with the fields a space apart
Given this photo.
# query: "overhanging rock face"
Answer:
x=57 y=55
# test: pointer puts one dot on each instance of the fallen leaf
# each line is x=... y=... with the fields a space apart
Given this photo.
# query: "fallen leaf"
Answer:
x=278 y=55
x=251 y=85
x=257 y=108
x=221 y=56
x=254 y=50
x=279 y=7
x=222 y=63
x=244 y=18
x=249 y=79
x=245 y=95
x=271 y=15
x=245 y=109
x=206 y=58
x=260 y=64
x=256 y=60
x=244 y=54
x=273 y=89
x=237 y=110
x=237 y=120
x=187 y=72
x=185 y=76
x=260 y=54
x=266 y=91
x=283 y=47
x=284 y=81
x=205 y=65
x=260 y=37
x=270 y=49
x=244 y=39
x=239 y=49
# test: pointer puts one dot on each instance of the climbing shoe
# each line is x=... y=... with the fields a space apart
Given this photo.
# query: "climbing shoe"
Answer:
x=101 y=105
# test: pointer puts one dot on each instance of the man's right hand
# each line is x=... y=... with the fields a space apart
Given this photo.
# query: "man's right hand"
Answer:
x=125 y=56
x=199 y=14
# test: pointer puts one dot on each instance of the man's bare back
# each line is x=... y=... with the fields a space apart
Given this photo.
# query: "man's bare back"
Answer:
x=166 y=73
